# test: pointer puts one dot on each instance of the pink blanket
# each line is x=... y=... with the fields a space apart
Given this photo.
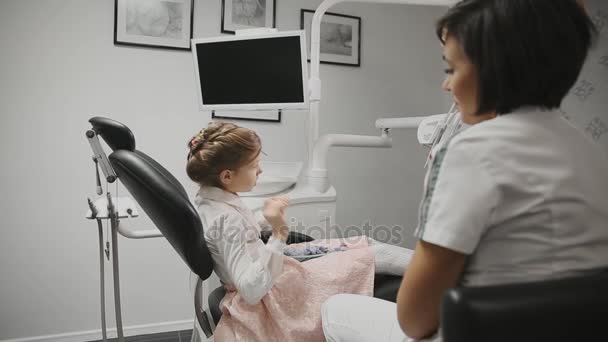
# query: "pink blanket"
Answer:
x=291 y=310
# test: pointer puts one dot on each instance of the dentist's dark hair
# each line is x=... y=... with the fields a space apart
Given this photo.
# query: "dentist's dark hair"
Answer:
x=527 y=52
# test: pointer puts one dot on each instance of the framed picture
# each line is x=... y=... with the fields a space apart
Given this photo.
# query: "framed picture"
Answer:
x=252 y=115
x=153 y=23
x=340 y=37
x=247 y=14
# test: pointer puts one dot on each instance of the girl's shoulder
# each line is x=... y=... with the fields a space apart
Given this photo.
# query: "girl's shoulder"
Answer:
x=215 y=214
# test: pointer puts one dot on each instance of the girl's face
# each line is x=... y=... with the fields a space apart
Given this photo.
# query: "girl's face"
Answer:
x=462 y=81
x=244 y=178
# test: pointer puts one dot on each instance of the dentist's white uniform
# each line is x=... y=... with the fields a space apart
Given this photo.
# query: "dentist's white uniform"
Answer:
x=525 y=195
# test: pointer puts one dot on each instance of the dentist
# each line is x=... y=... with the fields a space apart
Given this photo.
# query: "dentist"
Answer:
x=519 y=196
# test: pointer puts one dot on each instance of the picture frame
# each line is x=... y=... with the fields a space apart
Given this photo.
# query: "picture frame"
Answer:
x=340 y=37
x=247 y=14
x=251 y=115
x=153 y=23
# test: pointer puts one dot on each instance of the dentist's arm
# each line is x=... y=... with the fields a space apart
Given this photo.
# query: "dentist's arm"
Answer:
x=432 y=271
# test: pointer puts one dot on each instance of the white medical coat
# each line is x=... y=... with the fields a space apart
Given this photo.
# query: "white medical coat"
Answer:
x=525 y=194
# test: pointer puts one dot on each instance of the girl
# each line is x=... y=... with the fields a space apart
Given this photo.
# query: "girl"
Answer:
x=270 y=297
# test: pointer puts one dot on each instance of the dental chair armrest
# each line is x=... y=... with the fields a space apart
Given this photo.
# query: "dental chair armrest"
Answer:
x=386 y=286
x=215 y=298
x=293 y=237
x=296 y=237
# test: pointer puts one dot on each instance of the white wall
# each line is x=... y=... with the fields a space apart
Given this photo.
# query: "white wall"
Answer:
x=400 y=76
x=59 y=68
x=585 y=106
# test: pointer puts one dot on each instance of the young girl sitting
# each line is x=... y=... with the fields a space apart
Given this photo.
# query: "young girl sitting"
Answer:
x=270 y=296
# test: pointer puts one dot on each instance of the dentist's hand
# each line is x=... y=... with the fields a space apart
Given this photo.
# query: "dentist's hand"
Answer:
x=274 y=213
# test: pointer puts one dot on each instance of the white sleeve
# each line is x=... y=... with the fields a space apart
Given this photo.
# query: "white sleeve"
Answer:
x=459 y=199
x=261 y=220
x=252 y=278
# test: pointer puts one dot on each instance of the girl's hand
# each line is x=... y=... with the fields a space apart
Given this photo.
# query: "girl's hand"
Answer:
x=274 y=213
x=274 y=209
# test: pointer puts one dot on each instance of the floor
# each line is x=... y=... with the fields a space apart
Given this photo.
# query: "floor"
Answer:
x=174 y=336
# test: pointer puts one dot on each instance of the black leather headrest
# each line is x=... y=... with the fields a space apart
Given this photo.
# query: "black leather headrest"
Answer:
x=155 y=190
x=114 y=133
x=570 y=309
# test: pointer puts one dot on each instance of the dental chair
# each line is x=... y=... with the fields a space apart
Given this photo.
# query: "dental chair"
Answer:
x=569 y=309
x=166 y=202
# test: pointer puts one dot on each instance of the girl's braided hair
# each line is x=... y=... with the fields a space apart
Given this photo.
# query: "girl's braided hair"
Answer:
x=220 y=146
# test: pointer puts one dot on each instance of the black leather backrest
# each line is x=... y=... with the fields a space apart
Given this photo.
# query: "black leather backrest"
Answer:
x=571 y=309
x=164 y=202
x=159 y=168
x=114 y=133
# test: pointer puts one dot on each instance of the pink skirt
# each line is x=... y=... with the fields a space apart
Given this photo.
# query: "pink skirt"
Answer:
x=291 y=310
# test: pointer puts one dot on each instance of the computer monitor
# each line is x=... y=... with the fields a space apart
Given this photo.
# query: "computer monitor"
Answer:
x=252 y=71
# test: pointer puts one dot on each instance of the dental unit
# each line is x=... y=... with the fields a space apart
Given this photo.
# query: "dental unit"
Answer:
x=312 y=197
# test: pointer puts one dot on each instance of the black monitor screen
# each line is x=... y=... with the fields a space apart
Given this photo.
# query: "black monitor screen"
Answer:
x=252 y=71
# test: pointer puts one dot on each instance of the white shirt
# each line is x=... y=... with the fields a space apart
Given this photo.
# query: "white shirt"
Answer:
x=240 y=258
x=524 y=194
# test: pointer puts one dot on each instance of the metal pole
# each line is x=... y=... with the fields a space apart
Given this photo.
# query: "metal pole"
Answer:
x=114 y=219
x=116 y=282
x=102 y=283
